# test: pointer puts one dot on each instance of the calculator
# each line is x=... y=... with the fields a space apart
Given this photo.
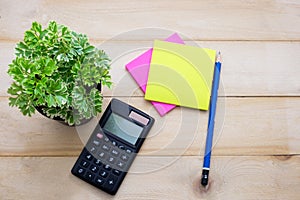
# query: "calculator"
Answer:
x=113 y=146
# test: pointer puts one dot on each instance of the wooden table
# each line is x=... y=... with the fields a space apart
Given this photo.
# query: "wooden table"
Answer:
x=256 y=151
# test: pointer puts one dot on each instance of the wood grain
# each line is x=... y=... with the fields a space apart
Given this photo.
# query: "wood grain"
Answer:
x=256 y=153
x=231 y=178
x=263 y=68
x=199 y=20
x=244 y=126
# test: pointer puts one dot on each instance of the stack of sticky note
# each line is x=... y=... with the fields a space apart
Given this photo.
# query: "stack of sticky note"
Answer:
x=173 y=74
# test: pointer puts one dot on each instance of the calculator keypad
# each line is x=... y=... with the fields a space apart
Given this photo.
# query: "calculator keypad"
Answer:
x=108 y=154
x=103 y=163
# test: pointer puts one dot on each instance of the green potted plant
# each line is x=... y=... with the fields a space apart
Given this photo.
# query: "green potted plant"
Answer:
x=58 y=72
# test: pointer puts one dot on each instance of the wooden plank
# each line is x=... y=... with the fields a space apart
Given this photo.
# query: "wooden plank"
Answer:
x=249 y=69
x=244 y=177
x=7 y=51
x=244 y=126
x=204 y=20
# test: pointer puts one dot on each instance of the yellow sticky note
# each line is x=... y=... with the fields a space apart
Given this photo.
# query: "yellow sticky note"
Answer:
x=180 y=75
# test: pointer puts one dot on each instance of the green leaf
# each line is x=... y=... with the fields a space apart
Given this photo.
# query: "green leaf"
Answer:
x=89 y=49
x=22 y=46
x=51 y=101
x=51 y=112
x=14 y=89
x=12 y=101
x=30 y=37
x=28 y=110
x=53 y=26
x=40 y=101
x=64 y=30
x=49 y=67
x=70 y=119
x=36 y=27
x=61 y=100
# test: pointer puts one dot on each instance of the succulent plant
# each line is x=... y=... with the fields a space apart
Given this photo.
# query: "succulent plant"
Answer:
x=57 y=70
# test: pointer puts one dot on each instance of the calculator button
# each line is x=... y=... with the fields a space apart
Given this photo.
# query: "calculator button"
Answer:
x=106 y=139
x=111 y=181
x=80 y=171
x=128 y=151
x=114 y=152
x=116 y=172
x=114 y=143
x=124 y=157
x=89 y=156
x=97 y=162
x=107 y=167
x=111 y=160
x=103 y=173
x=100 y=136
x=94 y=168
x=93 y=150
x=99 y=180
x=105 y=147
x=120 y=164
x=102 y=155
x=96 y=142
x=121 y=147
x=90 y=176
x=84 y=163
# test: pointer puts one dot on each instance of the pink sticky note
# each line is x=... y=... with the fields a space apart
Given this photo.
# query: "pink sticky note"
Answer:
x=139 y=70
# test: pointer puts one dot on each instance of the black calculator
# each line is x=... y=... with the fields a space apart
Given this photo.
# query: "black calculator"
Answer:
x=112 y=147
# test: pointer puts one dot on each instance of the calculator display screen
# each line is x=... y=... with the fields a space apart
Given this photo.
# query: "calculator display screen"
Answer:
x=123 y=128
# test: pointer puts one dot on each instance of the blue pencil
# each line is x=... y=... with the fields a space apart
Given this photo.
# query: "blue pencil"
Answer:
x=211 y=121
